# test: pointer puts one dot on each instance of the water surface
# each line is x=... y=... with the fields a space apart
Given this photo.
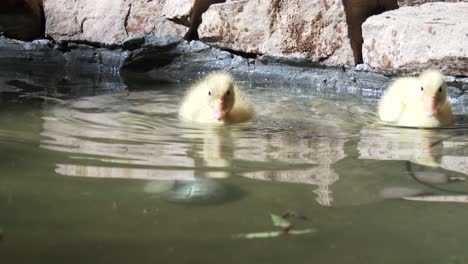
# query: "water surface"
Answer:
x=113 y=176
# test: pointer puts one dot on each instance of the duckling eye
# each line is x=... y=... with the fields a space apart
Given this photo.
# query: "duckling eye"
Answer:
x=422 y=88
x=228 y=92
x=209 y=93
x=440 y=89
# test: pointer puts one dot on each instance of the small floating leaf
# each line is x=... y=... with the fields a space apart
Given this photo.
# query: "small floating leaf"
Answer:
x=259 y=235
x=293 y=214
x=439 y=198
x=302 y=231
x=280 y=221
x=50 y=118
x=51 y=99
x=272 y=234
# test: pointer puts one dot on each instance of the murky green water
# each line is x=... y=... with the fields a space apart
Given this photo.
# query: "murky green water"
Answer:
x=118 y=178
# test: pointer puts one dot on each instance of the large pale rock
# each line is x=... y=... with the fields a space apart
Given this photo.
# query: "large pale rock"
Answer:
x=432 y=35
x=316 y=29
x=199 y=7
x=155 y=17
x=178 y=11
x=420 y=2
x=21 y=19
x=107 y=21
x=357 y=11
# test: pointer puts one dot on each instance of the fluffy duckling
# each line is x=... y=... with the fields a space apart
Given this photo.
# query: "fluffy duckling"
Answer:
x=417 y=102
x=216 y=99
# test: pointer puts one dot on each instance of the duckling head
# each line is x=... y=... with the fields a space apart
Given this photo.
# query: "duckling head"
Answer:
x=433 y=91
x=220 y=94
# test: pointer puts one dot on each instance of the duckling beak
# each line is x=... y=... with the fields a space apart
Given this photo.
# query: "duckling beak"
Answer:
x=220 y=109
x=431 y=106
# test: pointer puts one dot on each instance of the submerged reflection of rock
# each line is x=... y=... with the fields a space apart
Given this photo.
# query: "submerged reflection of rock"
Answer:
x=139 y=136
x=110 y=130
x=296 y=157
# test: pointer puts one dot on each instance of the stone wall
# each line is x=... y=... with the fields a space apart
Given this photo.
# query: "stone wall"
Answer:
x=357 y=11
x=110 y=21
x=433 y=35
x=420 y=2
x=314 y=29
x=328 y=32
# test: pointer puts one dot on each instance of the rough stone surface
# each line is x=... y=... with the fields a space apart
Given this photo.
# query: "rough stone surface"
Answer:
x=314 y=29
x=357 y=11
x=155 y=17
x=178 y=11
x=420 y=2
x=433 y=35
x=21 y=19
x=36 y=66
x=41 y=64
x=179 y=60
x=107 y=21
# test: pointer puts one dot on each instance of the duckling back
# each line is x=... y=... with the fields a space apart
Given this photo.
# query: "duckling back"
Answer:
x=243 y=109
x=395 y=99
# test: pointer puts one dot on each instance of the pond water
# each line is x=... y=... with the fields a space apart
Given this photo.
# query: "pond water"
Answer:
x=113 y=176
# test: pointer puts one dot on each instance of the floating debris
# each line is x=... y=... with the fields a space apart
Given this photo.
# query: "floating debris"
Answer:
x=294 y=214
x=279 y=221
x=50 y=118
x=439 y=198
x=271 y=234
x=47 y=98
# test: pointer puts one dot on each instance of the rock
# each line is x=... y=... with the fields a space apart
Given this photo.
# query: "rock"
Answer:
x=39 y=64
x=196 y=12
x=107 y=21
x=154 y=17
x=420 y=2
x=21 y=19
x=202 y=192
x=152 y=59
x=433 y=35
x=363 y=67
x=314 y=29
x=170 y=59
x=43 y=42
x=178 y=11
x=357 y=11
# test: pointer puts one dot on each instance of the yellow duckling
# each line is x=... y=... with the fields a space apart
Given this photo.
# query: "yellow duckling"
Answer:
x=417 y=102
x=216 y=99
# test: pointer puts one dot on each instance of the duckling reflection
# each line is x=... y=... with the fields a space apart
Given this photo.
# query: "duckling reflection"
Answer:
x=455 y=156
x=428 y=148
x=212 y=151
x=387 y=143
